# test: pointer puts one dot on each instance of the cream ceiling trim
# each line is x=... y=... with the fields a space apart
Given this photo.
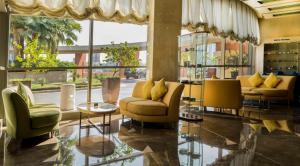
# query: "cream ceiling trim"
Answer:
x=264 y=10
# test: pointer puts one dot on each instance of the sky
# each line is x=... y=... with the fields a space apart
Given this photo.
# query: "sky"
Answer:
x=107 y=32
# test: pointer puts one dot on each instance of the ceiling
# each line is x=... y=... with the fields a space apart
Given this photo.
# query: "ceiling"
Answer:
x=267 y=9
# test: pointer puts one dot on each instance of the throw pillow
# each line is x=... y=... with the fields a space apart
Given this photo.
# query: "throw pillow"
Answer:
x=21 y=90
x=159 y=90
x=256 y=80
x=147 y=89
x=272 y=81
x=271 y=125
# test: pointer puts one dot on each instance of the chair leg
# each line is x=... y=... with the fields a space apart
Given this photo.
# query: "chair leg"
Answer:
x=142 y=124
x=13 y=145
x=122 y=119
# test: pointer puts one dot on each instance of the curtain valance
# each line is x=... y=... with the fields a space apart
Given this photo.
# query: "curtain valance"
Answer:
x=132 y=11
x=224 y=17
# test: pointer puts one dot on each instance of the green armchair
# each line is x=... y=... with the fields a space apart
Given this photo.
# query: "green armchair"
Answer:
x=23 y=121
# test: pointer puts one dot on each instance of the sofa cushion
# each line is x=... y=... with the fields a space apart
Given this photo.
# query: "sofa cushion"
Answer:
x=251 y=93
x=44 y=116
x=246 y=89
x=124 y=102
x=271 y=125
x=42 y=105
x=256 y=79
x=147 y=89
x=159 y=90
x=25 y=93
x=272 y=92
x=147 y=107
x=272 y=81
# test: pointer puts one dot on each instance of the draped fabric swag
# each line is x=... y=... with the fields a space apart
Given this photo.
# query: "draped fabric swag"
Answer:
x=131 y=11
x=224 y=17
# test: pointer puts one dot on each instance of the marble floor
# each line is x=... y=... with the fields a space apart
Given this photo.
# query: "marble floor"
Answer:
x=259 y=137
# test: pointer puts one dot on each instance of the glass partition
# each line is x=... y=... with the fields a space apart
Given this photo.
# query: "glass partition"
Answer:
x=225 y=58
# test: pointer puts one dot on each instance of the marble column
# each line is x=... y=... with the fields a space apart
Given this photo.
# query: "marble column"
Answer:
x=4 y=32
x=163 y=30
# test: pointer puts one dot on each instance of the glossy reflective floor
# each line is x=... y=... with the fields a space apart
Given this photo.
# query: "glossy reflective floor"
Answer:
x=261 y=137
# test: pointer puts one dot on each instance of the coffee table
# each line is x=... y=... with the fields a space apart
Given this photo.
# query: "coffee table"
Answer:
x=95 y=109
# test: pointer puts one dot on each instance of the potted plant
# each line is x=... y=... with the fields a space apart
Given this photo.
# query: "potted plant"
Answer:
x=117 y=55
x=234 y=72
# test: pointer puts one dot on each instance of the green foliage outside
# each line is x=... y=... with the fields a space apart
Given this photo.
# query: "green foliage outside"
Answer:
x=42 y=81
x=35 y=56
x=49 y=31
x=100 y=77
x=121 y=55
x=35 y=41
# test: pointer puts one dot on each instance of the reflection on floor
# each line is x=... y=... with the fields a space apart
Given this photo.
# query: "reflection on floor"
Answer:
x=260 y=137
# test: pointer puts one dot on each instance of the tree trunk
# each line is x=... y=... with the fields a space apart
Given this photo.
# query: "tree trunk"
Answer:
x=22 y=43
x=16 y=37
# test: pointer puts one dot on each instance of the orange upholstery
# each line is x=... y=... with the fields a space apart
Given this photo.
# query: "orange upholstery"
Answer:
x=166 y=110
x=222 y=94
x=283 y=91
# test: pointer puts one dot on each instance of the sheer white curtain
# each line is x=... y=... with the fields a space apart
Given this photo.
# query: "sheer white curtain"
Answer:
x=226 y=17
x=135 y=11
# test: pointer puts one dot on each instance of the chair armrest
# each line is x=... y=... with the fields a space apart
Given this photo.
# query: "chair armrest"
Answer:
x=172 y=99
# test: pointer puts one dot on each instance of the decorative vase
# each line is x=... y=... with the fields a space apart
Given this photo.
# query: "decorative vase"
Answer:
x=111 y=90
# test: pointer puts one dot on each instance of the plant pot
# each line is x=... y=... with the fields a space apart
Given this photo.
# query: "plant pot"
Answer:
x=111 y=90
x=211 y=72
x=234 y=74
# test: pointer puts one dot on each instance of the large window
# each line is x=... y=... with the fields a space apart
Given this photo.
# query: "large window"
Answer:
x=226 y=58
x=45 y=53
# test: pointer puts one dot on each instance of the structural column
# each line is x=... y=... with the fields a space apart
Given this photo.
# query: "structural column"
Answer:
x=4 y=33
x=163 y=30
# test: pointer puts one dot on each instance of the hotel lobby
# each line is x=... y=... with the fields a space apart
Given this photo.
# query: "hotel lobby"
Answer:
x=150 y=82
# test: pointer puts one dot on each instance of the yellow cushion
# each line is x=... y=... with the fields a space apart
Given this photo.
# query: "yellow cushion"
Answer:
x=247 y=89
x=271 y=125
x=159 y=90
x=147 y=107
x=256 y=80
x=147 y=89
x=284 y=125
x=272 y=81
x=124 y=102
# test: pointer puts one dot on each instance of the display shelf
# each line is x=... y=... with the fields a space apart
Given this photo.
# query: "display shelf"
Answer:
x=283 y=58
x=191 y=113
x=192 y=59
